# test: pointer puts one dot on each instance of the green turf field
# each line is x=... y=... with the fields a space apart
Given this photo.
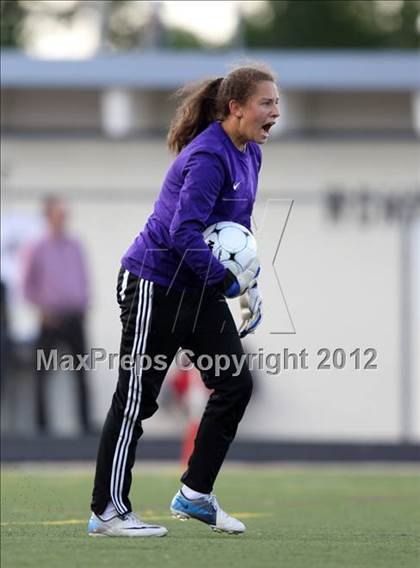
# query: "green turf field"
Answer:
x=296 y=517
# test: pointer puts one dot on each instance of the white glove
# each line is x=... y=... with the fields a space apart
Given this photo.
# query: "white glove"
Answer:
x=251 y=309
x=236 y=284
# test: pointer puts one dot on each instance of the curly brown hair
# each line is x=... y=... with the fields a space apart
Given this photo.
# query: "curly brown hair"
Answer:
x=204 y=102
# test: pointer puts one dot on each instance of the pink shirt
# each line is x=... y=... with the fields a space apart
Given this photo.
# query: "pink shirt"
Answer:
x=55 y=279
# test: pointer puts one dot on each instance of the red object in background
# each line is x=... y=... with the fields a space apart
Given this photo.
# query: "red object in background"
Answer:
x=188 y=441
x=180 y=382
x=192 y=394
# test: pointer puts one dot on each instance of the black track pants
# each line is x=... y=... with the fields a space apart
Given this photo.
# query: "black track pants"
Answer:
x=68 y=330
x=156 y=322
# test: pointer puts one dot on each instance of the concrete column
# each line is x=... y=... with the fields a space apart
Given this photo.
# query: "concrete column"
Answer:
x=118 y=112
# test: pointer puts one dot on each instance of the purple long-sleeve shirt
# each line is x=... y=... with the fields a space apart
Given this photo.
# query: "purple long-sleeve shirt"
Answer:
x=55 y=278
x=210 y=181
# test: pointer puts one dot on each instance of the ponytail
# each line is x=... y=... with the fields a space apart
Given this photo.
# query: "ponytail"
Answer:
x=194 y=114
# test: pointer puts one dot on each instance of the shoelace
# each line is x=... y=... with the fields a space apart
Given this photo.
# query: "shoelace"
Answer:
x=212 y=499
x=223 y=516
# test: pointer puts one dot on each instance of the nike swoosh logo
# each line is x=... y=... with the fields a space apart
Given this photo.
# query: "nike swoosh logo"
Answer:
x=236 y=185
x=140 y=528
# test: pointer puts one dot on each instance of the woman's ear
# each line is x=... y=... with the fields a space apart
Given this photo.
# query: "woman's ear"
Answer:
x=235 y=108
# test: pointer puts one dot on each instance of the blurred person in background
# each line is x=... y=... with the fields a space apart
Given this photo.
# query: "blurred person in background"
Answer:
x=55 y=282
x=170 y=299
x=5 y=343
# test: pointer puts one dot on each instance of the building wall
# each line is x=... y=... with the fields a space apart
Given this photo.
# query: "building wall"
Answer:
x=359 y=111
x=99 y=165
x=32 y=109
x=340 y=281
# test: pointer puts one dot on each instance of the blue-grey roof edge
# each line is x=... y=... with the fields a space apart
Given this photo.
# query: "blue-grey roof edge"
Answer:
x=395 y=70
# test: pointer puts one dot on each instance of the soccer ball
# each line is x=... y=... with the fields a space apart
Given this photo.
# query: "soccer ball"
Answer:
x=232 y=244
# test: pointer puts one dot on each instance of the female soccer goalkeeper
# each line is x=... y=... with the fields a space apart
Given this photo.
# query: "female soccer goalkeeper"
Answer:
x=172 y=290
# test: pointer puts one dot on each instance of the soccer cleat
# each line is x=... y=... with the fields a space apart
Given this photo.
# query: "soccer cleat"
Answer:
x=128 y=525
x=207 y=510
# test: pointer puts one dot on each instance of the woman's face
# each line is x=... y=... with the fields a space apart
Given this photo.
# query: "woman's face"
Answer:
x=258 y=114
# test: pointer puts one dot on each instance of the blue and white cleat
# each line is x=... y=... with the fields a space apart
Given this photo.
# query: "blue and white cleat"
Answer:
x=207 y=510
x=128 y=525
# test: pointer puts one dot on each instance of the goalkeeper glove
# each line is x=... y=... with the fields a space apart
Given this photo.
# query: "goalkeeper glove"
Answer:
x=235 y=285
x=251 y=308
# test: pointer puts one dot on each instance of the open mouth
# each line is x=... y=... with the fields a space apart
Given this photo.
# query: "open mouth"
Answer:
x=266 y=127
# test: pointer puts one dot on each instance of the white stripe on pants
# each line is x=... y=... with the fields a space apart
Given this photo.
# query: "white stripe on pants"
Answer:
x=132 y=407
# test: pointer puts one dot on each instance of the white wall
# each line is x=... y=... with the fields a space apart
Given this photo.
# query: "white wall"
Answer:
x=100 y=166
x=341 y=282
x=341 y=286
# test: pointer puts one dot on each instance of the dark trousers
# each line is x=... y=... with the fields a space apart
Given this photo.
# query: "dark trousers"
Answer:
x=157 y=321
x=62 y=331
